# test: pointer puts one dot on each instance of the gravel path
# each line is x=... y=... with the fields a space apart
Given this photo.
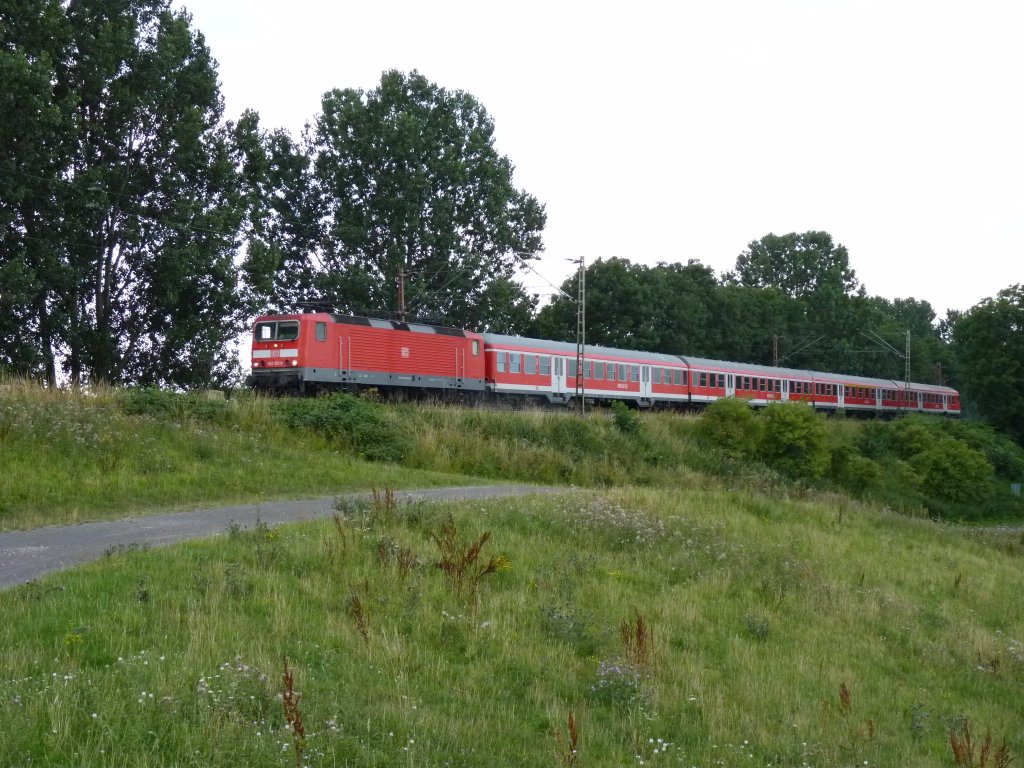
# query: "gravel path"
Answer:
x=25 y=555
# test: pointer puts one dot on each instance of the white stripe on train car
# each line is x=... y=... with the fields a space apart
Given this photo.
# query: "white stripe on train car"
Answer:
x=261 y=353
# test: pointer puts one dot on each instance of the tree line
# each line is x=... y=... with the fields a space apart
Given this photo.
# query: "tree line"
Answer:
x=140 y=231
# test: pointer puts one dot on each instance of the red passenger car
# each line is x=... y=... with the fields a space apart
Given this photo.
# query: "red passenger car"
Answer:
x=320 y=351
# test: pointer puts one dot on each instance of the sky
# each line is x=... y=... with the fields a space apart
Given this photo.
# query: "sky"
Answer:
x=671 y=131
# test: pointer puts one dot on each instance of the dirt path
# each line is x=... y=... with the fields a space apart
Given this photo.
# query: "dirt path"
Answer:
x=25 y=555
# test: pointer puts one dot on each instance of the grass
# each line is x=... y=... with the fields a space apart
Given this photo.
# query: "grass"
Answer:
x=676 y=607
x=778 y=632
x=72 y=457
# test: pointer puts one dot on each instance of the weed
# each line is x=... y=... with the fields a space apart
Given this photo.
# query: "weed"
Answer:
x=341 y=526
x=619 y=683
x=845 y=700
x=568 y=745
x=235 y=582
x=856 y=733
x=637 y=640
x=568 y=626
x=357 y=612
x=961 y=741
x=918 y=719
x=390 y=552
x=292 y=714
x=384 y=505
x=460 y=560
x=238 y=691
x=758 y=626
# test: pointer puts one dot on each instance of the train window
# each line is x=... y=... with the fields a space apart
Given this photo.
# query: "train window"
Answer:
x=623 y=372
x=530 y=364
x=760 y=384
x=702 y=378
x=476 y=347
x=570 y=368
x=321 y=331
x=598 y=370
x=634 y=373
x=515 y=361
x=283 y=330
x=610 y=371
x=545 y=366
x=499 y=359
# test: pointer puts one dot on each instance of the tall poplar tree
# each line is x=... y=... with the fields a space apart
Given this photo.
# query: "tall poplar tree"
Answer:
x=122 y=202
x=406 y=186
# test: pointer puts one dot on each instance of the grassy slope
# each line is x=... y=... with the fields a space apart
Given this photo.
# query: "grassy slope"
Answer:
x=762 y=604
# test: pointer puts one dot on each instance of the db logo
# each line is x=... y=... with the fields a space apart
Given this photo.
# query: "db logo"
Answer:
x=405 y=352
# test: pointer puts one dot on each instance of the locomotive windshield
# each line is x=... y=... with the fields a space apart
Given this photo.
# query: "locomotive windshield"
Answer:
x=278 y=330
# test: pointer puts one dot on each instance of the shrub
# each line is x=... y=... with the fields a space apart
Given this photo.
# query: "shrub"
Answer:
x=626 y=420
x=362 y=426
x=952 y=471
x=732 y=425
x=854 y=471
x=794 y=440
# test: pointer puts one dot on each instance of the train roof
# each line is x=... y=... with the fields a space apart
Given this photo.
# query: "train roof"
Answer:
x=569 y=348
x=372 y=322
x=796 y=373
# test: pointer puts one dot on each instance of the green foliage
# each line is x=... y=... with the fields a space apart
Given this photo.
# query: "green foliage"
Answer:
x=733 y=426
x=362 y=426
x=405 y=178
x=797 y=264
x=946 y=465
x=854 y=471
x=989 y=343
x=794 y=440
x=161 y=403
x=951 y=471
x=626 y=419
x=120 y=201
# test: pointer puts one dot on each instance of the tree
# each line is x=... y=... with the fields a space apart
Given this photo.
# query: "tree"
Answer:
x=122 y=221
x=989 y=345
x=408 y=185
x=668 y=308
x=617 y=307
x=797 y=264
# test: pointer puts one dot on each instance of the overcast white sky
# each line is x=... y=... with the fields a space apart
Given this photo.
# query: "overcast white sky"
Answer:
x=685 y=130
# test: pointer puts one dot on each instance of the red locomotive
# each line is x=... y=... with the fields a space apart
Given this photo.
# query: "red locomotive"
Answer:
x=318 y=351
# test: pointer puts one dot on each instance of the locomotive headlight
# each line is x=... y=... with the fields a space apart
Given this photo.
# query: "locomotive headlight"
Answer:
x=295 y=363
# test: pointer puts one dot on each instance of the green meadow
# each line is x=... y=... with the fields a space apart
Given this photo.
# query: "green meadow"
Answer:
x=682 y=603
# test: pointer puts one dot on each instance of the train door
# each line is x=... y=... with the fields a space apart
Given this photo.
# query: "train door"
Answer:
x=785 y=390
x=730 y=386
x=558 y=380
x=645 y=382
x=340 y=369
x=460 y=366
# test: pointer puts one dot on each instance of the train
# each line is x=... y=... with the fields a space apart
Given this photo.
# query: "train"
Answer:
x=317 y=352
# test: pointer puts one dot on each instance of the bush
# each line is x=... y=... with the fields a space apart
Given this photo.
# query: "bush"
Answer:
x=854 y=471
x=732 y=425
x=952 y=471
x=163 y=404
x=361 y=426
x=794 y=440
x=626 y=420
